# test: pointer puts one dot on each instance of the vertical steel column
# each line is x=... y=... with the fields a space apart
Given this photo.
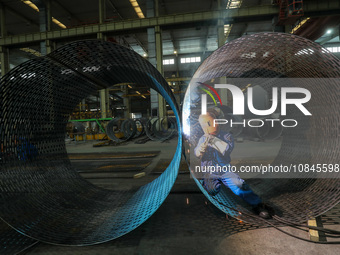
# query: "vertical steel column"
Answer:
x=178 y=89
x=83 y=105
x=107 y=101
x=127 y=102
x=102 y=17
x=152 y=60
x=103 y=93
x=221 y=39
x=47 y=46
x=50 y=45
x=159 y=66
x=155 y=51
x=220 y=25
x=4 y=60
x=4 y=53
x=104 y=108
x=3 y=21
x=150 y=12
x=43 y=24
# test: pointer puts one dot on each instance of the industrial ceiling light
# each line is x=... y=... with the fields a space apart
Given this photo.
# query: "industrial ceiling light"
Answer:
x=34 y=7
x=329 y=31
x=175 y=51
x=144 y=55
x=299 y=25
x=31 y=51
x=57 y=22
x=30 y=4
x=138 y=10
x=232 y=4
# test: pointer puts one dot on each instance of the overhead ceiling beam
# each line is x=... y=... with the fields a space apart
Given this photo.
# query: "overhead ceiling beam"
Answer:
x=124 y=25
x=113 y=7
x=325 y=7
x=60 y=6
x=20 y=16
x=175 y=43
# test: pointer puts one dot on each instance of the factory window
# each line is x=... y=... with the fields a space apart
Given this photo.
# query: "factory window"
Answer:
x=168 y=61
x=227 y=29
x=232 y=4
x=333 y=49
x=190 y=60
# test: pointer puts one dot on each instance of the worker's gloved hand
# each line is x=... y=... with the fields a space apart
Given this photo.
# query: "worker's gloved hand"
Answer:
x=201 y=149
x=218 y=144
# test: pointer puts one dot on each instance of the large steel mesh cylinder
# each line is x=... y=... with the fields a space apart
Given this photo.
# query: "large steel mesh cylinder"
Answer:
x=42 y=196
x=280 y=60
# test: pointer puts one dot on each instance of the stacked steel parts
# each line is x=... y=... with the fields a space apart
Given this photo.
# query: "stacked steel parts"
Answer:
x=156 y=129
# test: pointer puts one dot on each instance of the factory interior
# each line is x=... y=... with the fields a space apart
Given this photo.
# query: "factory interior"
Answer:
x=101 y=126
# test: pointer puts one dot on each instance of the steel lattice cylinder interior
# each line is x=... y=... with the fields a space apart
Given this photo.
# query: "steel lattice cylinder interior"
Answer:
x=281 y=60
x=42 y=196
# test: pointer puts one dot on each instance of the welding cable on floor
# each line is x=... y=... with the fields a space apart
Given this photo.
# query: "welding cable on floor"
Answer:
x=321 y=229
x=299 y=225
x=294 y=225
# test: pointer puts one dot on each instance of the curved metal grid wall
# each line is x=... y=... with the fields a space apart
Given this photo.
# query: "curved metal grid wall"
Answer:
x=277 y=55
x=42 y=196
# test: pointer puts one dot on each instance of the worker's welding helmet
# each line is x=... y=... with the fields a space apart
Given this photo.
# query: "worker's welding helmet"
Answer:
x=207 y=121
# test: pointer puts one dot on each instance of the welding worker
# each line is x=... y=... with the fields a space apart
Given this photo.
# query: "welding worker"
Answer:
x=214 y=149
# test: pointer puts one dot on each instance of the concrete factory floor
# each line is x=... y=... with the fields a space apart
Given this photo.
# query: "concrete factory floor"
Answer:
x=186 y=223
